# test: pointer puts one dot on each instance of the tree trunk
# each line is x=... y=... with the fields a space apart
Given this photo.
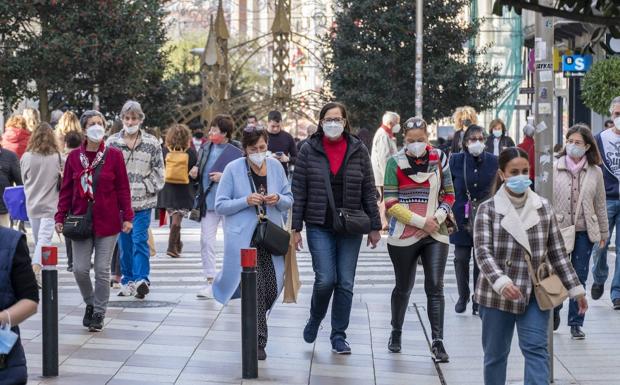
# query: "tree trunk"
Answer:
x=44 y=108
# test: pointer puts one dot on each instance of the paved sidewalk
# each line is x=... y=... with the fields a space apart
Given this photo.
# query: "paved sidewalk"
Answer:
x=181 y=340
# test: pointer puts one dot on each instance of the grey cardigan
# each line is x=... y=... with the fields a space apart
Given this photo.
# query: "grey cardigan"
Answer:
x=40 y=174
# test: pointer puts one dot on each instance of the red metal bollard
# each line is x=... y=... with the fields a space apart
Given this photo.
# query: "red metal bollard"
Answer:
x=49 y=303
x=249 y=331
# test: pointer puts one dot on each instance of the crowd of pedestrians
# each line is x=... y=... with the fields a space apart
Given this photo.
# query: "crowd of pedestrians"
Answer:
x=97 y=184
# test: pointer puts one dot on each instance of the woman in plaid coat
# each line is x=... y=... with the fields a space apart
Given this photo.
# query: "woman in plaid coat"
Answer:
x=514 y=222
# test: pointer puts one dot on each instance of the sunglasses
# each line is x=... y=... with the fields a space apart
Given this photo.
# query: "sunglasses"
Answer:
x=253 y=128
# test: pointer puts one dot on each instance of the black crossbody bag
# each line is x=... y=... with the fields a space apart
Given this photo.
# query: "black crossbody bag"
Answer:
x=267 y=234
x=80 y=227
x=346 y=221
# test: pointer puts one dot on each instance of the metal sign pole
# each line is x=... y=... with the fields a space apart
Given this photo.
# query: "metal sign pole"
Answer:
x=544 y=97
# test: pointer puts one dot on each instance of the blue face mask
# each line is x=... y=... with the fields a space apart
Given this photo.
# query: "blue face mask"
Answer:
x=518 y=184
x=7 y=339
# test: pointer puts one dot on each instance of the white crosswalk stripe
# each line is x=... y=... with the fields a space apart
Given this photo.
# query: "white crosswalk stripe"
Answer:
x=374 y=269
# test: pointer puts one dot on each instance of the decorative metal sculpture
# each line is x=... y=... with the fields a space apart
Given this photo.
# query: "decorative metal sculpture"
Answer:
x=216 y=73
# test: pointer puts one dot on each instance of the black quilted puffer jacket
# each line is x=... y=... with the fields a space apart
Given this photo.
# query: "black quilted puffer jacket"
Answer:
x=311 y=203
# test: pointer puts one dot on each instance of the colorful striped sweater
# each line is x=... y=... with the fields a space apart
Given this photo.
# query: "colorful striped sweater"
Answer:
x=410 y=199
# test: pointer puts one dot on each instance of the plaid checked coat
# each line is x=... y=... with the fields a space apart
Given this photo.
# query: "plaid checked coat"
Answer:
x=501 y=239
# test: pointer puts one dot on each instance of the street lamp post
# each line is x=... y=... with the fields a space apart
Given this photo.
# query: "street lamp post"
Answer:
x=419 y=20
x=544 y=83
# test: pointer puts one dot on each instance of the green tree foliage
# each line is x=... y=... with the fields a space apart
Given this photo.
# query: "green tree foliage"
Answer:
x=63 y=48
x=601 y=84
x=371 y=67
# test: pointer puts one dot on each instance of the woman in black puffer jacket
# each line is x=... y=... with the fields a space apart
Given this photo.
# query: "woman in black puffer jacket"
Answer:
x=333 y=161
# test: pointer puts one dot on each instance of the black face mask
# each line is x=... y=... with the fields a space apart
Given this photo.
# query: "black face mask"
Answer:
x=466 y=122
x=199 y=135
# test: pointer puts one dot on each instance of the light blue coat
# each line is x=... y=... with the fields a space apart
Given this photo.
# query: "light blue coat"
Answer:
x=240 y=221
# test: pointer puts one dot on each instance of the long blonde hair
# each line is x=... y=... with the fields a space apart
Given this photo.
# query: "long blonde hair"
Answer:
x=16 y=121
x=42 y=141
x=67 y=123
x=464 y=113
x=32 y=118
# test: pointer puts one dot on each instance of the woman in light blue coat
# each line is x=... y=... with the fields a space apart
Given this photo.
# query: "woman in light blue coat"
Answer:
x=246 y=185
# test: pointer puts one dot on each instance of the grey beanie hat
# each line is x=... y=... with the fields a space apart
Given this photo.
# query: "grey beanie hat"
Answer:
x=89 y=114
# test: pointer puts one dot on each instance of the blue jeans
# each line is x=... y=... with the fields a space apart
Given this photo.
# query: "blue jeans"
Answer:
x=497 y=330
x=134 y=249
x=334 y=259
x=580 y=259
x=600 y=269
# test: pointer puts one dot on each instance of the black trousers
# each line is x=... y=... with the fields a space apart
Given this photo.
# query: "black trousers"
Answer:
x=462 y=255
x=434 y=255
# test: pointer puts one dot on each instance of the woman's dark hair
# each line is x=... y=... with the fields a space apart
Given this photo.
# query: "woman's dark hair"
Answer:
x=592 y=155
x=251 y=135
x=73 y=139
x=415 y=124
x=494 y=123
x=505 y=157
x=343 y=111
x=473 y=129
x=225 y=123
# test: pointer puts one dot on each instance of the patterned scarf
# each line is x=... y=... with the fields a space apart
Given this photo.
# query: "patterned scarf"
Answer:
x=86 y=177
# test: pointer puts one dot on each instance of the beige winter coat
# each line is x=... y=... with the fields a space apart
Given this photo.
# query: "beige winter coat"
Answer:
x=594 y=207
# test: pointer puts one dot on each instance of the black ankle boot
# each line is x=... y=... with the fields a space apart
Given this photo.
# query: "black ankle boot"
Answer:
x=394 y=344
x=461 y=304
x=438 y=351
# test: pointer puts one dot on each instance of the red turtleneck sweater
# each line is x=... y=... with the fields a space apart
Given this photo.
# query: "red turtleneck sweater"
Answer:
x=335 y=151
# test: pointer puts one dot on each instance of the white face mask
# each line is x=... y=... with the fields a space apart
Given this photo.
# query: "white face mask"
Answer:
x=417 y=149
x=617 y=122
x=497 y=133
x=95 y=133
x=396 y=129
x=333 y=130
x=476 y=148
x=575 y=151
x=132 y=129
x=258 y=158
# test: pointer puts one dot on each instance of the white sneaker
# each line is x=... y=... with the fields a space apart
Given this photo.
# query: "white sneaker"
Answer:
x=205 y=293
x=128 y=290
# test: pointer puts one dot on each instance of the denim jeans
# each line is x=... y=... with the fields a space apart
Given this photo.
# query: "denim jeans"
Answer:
x=600 y=268
x=580 y=259
x=497 y=331
x=334 y=259
x=134 y=249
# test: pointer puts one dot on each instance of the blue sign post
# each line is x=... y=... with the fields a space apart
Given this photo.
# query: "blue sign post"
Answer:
x=576 y=65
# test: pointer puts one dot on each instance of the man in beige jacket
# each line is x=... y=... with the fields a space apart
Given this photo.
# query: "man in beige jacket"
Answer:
x=384 y=147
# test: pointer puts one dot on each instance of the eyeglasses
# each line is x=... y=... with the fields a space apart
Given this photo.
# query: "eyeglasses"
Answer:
x=333 y=120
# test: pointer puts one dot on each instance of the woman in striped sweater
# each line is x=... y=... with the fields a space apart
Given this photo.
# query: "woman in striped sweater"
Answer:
x=418 y=199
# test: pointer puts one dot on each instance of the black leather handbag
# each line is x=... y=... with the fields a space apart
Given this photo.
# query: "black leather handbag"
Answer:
x=267 y=234
x=346 y=221
x=80 y=227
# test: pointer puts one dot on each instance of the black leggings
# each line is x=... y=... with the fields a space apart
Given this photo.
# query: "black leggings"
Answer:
x=434 y=256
